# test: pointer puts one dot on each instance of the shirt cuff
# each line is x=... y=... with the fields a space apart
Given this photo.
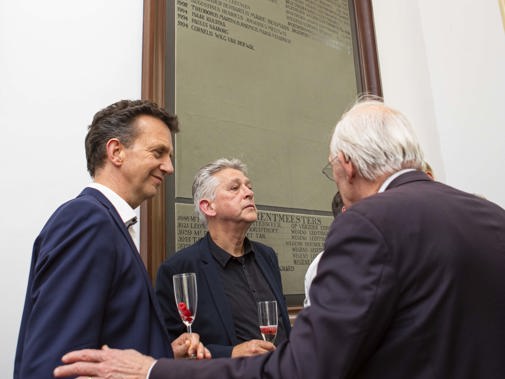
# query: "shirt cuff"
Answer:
x=150 y=368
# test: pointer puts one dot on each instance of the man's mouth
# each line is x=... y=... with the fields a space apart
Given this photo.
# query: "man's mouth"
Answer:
x=159 y=178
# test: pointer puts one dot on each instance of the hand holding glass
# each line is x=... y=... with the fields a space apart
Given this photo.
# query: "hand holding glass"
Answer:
x=186 y=297
x=267 y=313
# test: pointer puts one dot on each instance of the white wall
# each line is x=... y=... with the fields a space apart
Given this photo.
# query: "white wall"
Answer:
x=60 y=62
x=442 y=64
x=466 y=57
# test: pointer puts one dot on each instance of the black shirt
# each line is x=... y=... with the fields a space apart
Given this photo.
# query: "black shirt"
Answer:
x=244 y=285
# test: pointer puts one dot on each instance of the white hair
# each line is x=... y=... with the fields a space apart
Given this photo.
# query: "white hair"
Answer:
x=205 y=182
x=377 y=139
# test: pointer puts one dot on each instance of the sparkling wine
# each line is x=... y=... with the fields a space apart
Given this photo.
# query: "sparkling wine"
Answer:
x=268 y=332
x=186 y=297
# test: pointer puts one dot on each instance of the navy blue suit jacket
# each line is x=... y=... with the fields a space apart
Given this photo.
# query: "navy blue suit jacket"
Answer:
x=87 y=287
x=213 y=320
x=411 y=285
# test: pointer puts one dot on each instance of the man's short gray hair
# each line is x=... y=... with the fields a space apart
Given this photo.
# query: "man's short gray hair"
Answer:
x=205 y=183
x=377 y=139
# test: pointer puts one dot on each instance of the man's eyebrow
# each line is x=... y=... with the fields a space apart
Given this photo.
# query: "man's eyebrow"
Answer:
x=237 y=180
x=162 y=147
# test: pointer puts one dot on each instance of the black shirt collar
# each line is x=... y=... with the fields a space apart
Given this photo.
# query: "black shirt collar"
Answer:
x=221 y=256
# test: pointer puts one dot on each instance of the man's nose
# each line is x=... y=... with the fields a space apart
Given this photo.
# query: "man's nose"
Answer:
x=248 y=192
x=167 y=167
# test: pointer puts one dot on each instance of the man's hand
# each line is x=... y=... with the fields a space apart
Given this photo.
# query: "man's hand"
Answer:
x=105 y=363
x=189 y=346
x=252 y=347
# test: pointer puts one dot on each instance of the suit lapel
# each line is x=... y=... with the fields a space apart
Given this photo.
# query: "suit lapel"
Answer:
x=115 y=216
x=264 y=267
x=215 y=287
x=267 y=273
x=133 y=248
x=268 y=270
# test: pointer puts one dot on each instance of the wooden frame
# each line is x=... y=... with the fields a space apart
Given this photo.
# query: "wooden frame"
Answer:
x=366 y=47
x=152 y=212
x=156 y=46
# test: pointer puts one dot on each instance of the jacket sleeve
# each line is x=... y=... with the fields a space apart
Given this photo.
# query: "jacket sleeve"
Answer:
x=70 y=281
x=354 y=295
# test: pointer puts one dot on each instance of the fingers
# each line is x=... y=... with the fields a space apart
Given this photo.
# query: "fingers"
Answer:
x=260 y=347
x=189 y=345
x=267 y=346
x=186 y=345
x=180 y=346
x=87 y=355
x=194 y=339
x=110 y=363
x=81 y=368
x=252 y=347
x=207 y=354
x=201 y=352
x=194 y=347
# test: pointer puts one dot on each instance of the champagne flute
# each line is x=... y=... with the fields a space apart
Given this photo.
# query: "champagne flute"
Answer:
x=267 y=313
x=186 y=297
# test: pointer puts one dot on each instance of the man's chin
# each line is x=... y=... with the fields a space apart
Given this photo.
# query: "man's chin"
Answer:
x=151 y=192
x=251 y=218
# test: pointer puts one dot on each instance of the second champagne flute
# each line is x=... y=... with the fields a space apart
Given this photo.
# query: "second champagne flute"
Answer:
x=267 y=313
x=186 y=297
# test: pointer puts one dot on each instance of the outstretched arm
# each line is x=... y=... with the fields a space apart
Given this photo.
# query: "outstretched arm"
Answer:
x=105 y=363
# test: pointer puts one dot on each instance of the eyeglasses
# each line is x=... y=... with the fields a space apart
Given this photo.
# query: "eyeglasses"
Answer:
x=328 y=169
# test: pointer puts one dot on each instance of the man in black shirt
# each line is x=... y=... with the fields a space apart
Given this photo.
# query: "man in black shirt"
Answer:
x=233 y=273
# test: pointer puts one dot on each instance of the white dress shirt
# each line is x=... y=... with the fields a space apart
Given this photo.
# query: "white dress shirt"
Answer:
x=124 y=210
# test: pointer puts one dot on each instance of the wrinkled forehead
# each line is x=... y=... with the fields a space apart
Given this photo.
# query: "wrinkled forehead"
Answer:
x=229 y=174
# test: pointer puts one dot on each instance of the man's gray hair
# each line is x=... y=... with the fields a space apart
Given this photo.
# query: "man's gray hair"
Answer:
x=205 y=183
x=377 y=139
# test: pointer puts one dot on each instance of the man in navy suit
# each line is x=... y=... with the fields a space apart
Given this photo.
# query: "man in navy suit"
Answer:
x=87 y=285
x=410 y=284
x=233 y=273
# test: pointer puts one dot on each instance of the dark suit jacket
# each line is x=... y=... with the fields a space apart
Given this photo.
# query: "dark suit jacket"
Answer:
x=411 y=285
x=213 y=320
x=87 y=287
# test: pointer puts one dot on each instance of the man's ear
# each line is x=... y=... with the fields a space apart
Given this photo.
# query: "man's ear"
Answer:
x=115 y=151
x=207 y=208
x=349 y=169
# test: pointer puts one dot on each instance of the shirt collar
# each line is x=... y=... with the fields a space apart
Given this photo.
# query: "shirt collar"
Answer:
x=222 y=256
x=122 y=207
x=388 y=181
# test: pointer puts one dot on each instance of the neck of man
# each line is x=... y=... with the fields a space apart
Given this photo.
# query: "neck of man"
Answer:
x=363 y=188
x=229 y=237
x=110 y=179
